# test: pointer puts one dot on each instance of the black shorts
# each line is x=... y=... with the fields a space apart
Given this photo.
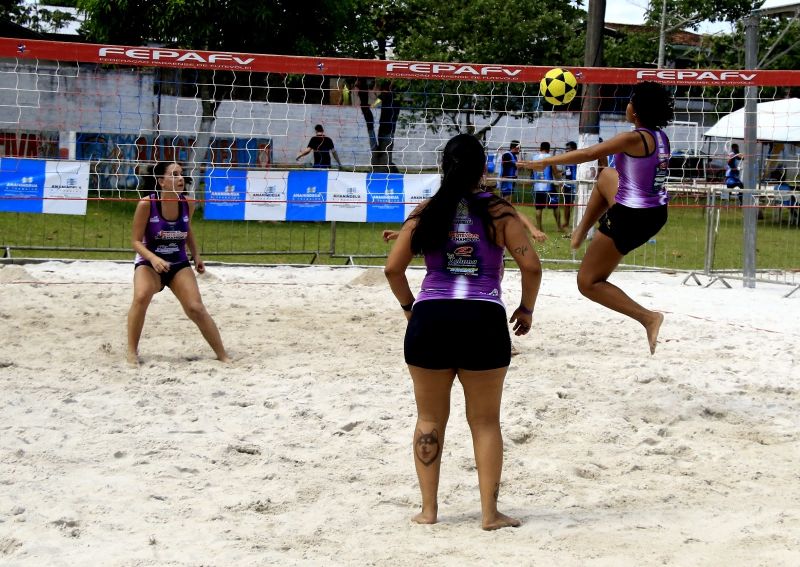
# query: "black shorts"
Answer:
x=569 y=195
x=630 y=228
x=545 y=200
x=458 y=333
x=166 y=277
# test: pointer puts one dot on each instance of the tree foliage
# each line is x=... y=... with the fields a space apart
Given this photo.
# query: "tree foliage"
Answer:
x=526 y=32
x=322 y=27
x=35 y=18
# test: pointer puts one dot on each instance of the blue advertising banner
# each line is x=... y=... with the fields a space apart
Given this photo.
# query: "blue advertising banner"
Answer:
x=315 y=195
x=21 y=185
x=385 y=197
x=307 y=192
x=226 y=192
x=43 y=186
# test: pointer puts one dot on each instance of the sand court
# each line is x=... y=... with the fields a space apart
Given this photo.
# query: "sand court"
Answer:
x=299 y=453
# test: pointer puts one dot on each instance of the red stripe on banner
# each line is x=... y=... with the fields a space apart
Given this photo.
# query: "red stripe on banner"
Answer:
x=231 y=61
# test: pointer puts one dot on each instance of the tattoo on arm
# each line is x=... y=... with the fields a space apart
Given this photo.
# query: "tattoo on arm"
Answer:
x=521 y=250
x=426 y=446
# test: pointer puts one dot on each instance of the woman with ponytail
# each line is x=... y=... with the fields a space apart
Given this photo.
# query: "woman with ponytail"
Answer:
x=161 y=234
x=457 y=323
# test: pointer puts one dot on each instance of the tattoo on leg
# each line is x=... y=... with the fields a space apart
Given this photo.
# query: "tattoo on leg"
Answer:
x=496 y=491
x=426 y=446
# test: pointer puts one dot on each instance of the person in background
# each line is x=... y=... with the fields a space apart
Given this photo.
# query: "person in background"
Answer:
x=508 y=169
x=457 y=323
x=323 y=149
x=733 y=179
x=570 y=173
x=161 y=234
x=544 y=193
x=630 y=201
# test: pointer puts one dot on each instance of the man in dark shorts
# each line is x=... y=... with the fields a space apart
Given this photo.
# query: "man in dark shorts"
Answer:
x=544 y=193
x=323 y=149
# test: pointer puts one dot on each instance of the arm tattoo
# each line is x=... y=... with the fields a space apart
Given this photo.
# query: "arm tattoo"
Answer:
x=521 y=250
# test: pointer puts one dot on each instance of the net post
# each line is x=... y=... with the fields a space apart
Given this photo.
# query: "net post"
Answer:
x=750 y=177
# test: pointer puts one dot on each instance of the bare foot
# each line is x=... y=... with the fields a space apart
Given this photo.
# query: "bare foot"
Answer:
x=225 y=359
x=132 y=358
x=425 y=518
x=500 y=521
x=652 y=329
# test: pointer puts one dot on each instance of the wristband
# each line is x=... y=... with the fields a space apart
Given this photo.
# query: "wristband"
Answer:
x=407 y=306
x=525 y=309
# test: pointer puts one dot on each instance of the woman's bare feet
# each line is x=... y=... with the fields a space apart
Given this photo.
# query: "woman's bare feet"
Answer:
x=500 y=521
x=425 y=517
x=225 y=358
x=652 y=329
x=132 y=358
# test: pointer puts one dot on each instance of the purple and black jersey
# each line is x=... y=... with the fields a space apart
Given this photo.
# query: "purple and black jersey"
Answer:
x=469 y=266
x=642 y=179
x=164 y=238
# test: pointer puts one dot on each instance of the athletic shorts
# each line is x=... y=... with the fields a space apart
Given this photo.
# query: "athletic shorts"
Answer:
x=630 y=228
x=166 y=277
x=458 y=333
x=545 y=200
x=569 y=195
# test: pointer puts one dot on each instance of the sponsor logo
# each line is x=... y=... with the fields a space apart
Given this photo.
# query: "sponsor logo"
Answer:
x=272 y=193
x=463 y=251
x=173 y=56
x=310 y=195
x=452 y=70
x=350 y=194
x=459 y=236
x=688 y=75
x=171 y=235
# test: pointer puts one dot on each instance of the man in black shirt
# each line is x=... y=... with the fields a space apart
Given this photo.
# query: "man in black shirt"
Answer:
x=322 y=146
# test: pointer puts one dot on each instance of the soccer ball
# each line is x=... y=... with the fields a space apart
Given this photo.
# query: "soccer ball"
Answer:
x=558 y=86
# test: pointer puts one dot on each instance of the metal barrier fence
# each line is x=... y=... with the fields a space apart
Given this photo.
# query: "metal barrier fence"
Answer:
x=704 y=236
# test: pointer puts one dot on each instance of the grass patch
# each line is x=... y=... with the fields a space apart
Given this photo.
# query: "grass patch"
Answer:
x=104 y=233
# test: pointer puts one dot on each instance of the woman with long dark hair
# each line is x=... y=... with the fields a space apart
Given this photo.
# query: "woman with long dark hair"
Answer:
x=630 y=200
x=161 y=234
x=457 y=323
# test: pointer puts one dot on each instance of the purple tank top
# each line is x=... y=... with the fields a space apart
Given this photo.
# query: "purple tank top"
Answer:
x=164 y=238
x=469 y=266
x=642 y=179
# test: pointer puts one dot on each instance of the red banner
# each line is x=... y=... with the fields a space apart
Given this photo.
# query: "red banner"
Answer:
x=185 y=58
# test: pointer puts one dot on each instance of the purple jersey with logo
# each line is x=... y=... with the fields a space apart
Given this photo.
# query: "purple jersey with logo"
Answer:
x=164 y=238
x=469 y=266
x=642 y=179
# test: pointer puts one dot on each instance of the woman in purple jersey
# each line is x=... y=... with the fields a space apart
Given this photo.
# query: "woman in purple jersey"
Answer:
x=161 y=233
x=629 y=200
x=457 y=323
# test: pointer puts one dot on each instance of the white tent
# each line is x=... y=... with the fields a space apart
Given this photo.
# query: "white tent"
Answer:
x=778 y=121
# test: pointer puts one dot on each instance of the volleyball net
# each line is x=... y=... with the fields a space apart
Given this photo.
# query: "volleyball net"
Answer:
x=80 y=124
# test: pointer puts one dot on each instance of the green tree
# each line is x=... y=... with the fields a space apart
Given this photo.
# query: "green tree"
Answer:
x=41 y=20
x=319 y=28
x=526 y=32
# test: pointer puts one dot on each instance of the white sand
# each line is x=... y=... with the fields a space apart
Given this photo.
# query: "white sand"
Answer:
x=300 y=452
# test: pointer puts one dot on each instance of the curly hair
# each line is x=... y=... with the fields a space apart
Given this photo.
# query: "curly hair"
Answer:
x=653 y=104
